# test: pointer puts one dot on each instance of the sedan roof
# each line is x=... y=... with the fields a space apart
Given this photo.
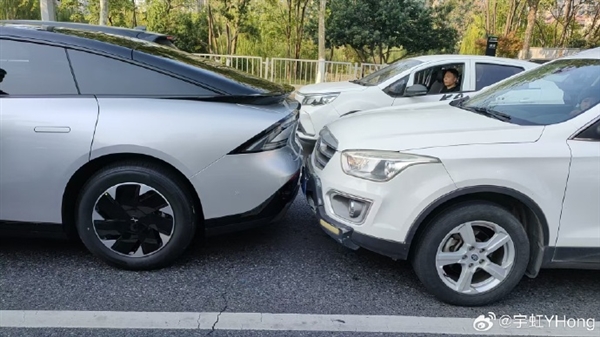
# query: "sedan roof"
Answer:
x=226 y=80
x=133 y=33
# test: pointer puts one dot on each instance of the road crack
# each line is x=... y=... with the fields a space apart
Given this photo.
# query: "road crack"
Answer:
x=218 y=315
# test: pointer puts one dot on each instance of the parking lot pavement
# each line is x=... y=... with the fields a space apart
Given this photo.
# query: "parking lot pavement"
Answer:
x=291 y=267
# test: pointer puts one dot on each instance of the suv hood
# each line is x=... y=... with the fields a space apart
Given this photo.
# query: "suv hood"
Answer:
x=326 y=87
x=400 y=129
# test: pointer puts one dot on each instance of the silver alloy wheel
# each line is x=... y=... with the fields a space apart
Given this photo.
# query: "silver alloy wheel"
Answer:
x=133 y=219
x=475 y=257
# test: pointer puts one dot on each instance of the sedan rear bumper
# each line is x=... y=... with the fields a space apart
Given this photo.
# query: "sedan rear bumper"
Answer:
x=246 y=190
x=271 y=210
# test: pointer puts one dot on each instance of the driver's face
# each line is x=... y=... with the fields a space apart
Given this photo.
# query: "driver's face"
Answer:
x=449 y=79
x=586 y=103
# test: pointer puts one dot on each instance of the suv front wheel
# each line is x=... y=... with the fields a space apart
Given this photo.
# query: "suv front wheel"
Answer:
x=472 y=254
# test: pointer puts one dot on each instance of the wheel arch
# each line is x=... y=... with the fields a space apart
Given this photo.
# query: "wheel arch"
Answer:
x=523 y=207
x=85 y=172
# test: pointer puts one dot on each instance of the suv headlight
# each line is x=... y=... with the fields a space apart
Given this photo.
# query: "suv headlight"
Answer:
x=320 y=99
x=380 y=166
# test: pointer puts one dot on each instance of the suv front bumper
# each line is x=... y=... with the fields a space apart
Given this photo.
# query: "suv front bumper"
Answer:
x=343 y=234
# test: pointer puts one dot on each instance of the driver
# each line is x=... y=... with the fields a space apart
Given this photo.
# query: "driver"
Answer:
x=586 y=102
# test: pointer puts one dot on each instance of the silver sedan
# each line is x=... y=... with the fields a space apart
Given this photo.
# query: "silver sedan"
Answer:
x=133 y=147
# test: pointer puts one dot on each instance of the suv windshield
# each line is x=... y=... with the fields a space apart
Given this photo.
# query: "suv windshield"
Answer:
x=388 y=72
x=550 y=94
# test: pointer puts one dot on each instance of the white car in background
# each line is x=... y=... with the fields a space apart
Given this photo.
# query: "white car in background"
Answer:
x=407 y=81
x=476 y=193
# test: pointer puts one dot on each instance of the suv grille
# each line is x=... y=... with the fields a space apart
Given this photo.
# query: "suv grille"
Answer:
x=323 y=153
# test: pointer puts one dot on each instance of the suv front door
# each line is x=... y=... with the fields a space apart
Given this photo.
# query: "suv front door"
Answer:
x=579 y=233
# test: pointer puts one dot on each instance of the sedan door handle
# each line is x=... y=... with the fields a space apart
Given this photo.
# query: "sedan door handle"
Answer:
x=52 y=129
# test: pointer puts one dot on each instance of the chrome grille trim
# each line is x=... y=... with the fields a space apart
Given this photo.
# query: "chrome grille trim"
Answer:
x=323 y=153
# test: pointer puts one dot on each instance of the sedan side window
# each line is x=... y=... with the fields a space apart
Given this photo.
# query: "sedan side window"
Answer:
x=101 y=75
x=488 y=74
x=34 y=69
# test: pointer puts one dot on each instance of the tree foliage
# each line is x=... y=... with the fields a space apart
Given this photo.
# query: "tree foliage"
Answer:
x=521 y=24
x=365 y=30
x=372 y=29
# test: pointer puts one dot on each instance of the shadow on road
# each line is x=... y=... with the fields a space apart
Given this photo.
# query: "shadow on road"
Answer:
x=289 y=266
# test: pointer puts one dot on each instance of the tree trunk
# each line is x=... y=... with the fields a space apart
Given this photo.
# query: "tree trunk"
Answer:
x=567 y=23
x=134 y=13
x=321 y=42
x=494 y=17
x=487 y=17
x=533 y=6
x=234 y=44
x=47 y=8
x=543 y=37
x=521 y=11
x=288 y=30
x=593 y=27
x=322 y=10
x=300 y=27
x=510 y=17
x=210 y=28
x=103 y=13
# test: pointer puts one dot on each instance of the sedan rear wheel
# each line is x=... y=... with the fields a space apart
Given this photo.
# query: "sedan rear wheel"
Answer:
x=133 y=220
x=473 y=254
x=136 y=216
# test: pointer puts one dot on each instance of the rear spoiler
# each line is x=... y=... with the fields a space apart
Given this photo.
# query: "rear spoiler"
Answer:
x=267 y=99
x=168 y=37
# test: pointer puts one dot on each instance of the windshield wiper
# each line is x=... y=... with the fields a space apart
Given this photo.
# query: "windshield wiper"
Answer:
x=358 y=82
x=459 y=102
x=489 y=113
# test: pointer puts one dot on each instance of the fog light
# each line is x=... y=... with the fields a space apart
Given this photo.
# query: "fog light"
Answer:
x=355 y=209
x=351 y=208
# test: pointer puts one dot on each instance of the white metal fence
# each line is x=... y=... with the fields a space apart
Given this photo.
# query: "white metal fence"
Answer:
x=253 y=65
x=302 y=72
x=293 y=71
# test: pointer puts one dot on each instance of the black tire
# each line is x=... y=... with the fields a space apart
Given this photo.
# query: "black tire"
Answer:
x=182 y=226
x=424 y=257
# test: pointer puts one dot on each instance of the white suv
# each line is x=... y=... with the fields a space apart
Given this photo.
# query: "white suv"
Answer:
x=475 y=193
x=407 y=81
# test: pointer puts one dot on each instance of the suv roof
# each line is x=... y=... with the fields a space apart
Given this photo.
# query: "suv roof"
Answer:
x=138 y=33
x=593 y=53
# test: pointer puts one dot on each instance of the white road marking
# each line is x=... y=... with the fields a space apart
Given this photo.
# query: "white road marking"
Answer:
x=283 y=322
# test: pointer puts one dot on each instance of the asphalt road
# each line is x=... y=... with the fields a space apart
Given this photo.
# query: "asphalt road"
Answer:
x=290 y=267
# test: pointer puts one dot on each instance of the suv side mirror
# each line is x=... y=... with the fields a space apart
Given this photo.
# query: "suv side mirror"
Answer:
x=416 y=90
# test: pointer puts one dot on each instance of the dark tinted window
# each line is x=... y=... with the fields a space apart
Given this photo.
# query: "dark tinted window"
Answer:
x=591 y=133
x=34 y=69
x=488 y=74
x=100 y=75
x=183 y=61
